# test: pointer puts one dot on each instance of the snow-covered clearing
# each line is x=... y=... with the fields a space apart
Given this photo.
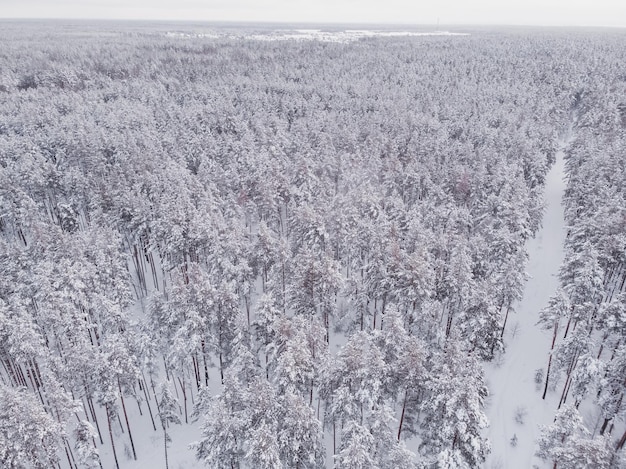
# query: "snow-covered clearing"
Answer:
x=516 y=408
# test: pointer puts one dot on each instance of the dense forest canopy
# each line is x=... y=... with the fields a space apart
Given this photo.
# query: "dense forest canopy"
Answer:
x=311 y=246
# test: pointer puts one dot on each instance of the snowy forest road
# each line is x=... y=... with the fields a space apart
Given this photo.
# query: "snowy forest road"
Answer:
x=515 y=408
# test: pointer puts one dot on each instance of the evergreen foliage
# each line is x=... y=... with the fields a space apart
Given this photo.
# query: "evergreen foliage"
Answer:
x=336 y=230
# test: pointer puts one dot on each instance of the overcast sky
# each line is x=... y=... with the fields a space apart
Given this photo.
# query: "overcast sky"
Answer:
x=533 y=12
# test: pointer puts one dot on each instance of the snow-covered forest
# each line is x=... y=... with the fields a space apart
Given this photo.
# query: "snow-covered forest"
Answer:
x=230 y=249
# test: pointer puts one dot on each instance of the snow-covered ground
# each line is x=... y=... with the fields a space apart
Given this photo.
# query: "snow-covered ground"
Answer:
x=149 y=446
x=515 y=407
x=148 y=442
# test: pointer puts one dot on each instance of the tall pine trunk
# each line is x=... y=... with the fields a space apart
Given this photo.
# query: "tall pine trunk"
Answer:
x=406 y=393
x=117 y=465
x=165 y=446
x=130 y=435
x=621 y=442
x=545 y=389
x=95 y=418
x=145 y=393
x=184 y=391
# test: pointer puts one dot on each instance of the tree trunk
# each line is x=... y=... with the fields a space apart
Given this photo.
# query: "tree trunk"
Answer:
x=95 y=418
x=604 y=425
x=182 y=387
x=145 y=393
x=196 y=369
x=130 y=435
x=569 y=321
x=284 y=289
x=449 y=324
x=245 y=298
x=8 y=366
x=506 y=317
x=406 y=392
x=375 y=311
x=601 y=349
x=382 y=311
x=334 y=438
x=545 y=389
x=221 y=367
x=67 y=454
x=620 y=443
x=117 y=465
x=155 y=278
x=206 y=368
x=165 y=446
x=568 y=379
x=362 y=318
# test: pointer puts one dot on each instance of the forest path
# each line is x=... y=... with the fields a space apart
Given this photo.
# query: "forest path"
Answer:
x=515 y=407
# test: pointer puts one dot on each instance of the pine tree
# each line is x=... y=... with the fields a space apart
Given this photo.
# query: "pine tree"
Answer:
x=168 y=414
x=454 y=416
x=356 y=443
x=29 y=437
x=299 y=433
x=87 y=453
x=225 y=428
x=568 y=445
